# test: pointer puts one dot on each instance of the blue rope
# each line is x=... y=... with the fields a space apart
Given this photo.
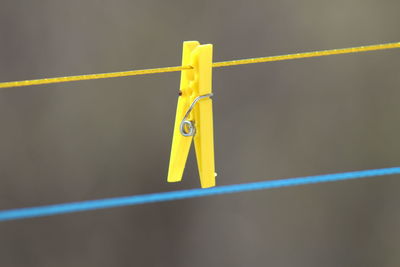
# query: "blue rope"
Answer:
x=49 y=210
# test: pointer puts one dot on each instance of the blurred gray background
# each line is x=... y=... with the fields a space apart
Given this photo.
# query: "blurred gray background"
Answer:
x=107 y=138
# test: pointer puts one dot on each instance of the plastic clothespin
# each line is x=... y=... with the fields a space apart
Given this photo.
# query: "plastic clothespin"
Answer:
x=194 y=116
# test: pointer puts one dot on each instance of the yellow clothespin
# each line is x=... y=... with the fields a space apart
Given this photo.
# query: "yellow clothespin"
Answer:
x=194 y=117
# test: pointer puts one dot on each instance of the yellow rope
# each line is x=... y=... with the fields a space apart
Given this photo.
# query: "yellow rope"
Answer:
x=91 y=76
x=215 y=65
x=308 y=54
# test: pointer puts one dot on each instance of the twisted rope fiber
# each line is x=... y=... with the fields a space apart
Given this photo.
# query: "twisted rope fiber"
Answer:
x=215 y=65
x=49 y=210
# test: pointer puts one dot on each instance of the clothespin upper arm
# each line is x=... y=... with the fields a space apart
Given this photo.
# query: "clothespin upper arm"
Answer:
x=181 y=144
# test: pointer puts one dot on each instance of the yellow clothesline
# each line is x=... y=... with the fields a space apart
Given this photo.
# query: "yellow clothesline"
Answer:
x=215 y=65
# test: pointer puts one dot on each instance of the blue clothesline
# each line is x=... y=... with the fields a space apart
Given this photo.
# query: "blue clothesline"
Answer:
x=40 y=211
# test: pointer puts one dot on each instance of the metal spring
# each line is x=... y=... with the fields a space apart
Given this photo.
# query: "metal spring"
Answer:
x=190 y=129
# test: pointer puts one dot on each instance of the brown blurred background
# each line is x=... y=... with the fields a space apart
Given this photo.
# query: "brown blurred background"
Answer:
x=107 y=138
